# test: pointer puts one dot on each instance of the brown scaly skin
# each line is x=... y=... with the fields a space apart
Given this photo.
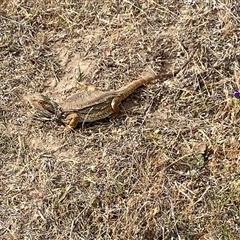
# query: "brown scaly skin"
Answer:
x=92 y=104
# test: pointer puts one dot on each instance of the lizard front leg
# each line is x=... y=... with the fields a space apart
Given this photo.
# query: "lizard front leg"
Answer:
x=71 y=122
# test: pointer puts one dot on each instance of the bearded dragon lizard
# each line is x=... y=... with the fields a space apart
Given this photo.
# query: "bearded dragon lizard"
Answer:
x=92 y=104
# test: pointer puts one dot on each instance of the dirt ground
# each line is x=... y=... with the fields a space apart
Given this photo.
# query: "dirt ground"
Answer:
x=168 y=167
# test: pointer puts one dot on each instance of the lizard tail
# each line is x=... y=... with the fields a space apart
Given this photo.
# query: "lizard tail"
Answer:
x=128 y=89
x=125 y=91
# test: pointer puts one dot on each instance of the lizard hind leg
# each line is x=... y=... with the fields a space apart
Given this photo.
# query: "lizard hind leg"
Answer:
x=115 y=107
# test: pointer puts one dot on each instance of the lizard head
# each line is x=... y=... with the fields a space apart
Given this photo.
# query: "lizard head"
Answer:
x=42 y=107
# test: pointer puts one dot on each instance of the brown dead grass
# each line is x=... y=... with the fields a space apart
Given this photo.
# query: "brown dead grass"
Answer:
x=167 y=168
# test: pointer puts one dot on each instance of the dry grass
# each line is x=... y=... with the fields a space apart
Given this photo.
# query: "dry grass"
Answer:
x=168 y=167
